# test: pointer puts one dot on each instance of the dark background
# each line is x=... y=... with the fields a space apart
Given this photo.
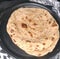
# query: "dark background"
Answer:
x=3 y=6
x=13 y=0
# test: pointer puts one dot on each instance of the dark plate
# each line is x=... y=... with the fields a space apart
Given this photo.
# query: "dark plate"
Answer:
x=9 y=46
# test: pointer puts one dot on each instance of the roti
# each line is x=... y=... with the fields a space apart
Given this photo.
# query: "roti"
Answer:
x=33 y=30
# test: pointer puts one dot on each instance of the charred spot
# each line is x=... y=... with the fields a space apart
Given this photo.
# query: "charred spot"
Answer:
x=43 y=48
x=46 y=38
x=52 y=38
x=54 y=24
x=54 y=33
x=11 y=35
x=22 y=18
x=15 y=28
x=37 y=45
x=30 y=45
x=33 y=28
x=34 y=24
x=24 y=25
x=29 y=20
x=39 y=54
x=12 y=30
x=49 y=22
x=23 y=39
x=36 y=49
x=30 y=34
x=28 y=41
x=26 y=17
x=14 y=40
x=45 y=14
x=37 y=37
x=41 y=16
x=50 y=18
x=14 y=24
x=43 y=43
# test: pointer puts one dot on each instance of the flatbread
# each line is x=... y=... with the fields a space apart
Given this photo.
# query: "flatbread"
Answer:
x=33 y=30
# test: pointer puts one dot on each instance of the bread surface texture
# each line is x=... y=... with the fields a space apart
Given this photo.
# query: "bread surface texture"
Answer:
x=33 y=30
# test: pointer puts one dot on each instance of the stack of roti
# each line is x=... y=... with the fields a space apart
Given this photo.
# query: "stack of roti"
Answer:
x=33 y=30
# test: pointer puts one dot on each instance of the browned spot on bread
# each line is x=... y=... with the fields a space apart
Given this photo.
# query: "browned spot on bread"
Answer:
x=34 y=24
x=49 y=22
x=46 y=38
x=47 y=19
x=29 y=20
x=33 y=28
x=43 y=43
x=15 y=27
x=22 y=39
x=14 y=40
x=36 y=49
x=30 y=34
x=39 y=54
x=11 y=35
x=41 y=16
x=24 y=25
x=43 y=48
x=37 y=37
x=12 y=30
x=14 y=24
x=54 y=33
x=30 y=45
x=45 y=14
x=28 y=41
x=52 y=38
x=54 y=24
x=22 y=18
x=37 y=45
x=26 y=17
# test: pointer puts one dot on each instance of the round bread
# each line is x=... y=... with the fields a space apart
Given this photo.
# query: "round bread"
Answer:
x=33 y=30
